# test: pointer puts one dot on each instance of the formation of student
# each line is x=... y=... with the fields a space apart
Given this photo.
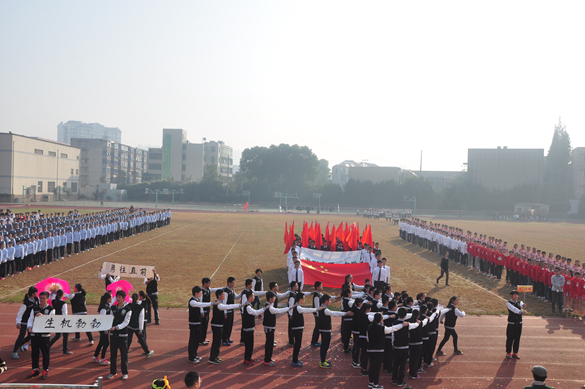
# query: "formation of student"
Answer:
x=554 y=278
x=30 y=240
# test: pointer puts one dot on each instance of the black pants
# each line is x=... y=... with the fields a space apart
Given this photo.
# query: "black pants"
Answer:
x=298 y=340
x=49 y=255
x=228 y=325
x=430 y=350
x=388 y=354
x=414 y=359
x=289 y=330
x=102 y=345
x=194 y=336
x=513 y=333
x=62 y=251
x=325 y=341
x=557 y=297
x=68 y=248
x=76 y=247
x=21 y=337
x=364 y=353
x=448 y=333
x=65 y=341
x=204 y=325
x=10 y=268
x=89 y=336
x=40 y=345
x=269 y=345
x=217 y=331
x=118 y=343
x=154 y=299
x=140 y=338
x=315 y=337
x=376 y=359
x=444 y=272
x=248 y=338
x=355 y=353
x=399 y=367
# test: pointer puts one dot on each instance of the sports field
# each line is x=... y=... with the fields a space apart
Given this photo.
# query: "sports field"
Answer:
x=220 y=245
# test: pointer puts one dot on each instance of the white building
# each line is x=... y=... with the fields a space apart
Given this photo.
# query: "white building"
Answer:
x=40 y=168
x=346 y=170
x=75 y=129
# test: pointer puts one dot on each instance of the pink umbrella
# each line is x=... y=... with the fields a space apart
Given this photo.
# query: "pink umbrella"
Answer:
x=120 y=285
x=52 y=285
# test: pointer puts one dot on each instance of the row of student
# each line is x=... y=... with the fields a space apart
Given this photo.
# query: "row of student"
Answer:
x=554 y=278
x=24 y=246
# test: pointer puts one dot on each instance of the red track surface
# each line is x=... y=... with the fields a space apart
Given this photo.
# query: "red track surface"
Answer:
x=555 y=343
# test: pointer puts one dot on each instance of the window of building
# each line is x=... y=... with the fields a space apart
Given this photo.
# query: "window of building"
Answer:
x=184 y=168
x=52 y=154
x=51 y=186
x=39 y=151
x=76 y=172
x=184 y=157
x=155 y=166
x=40 y=187
x=213 y=149
x=63 y=155
x=184 y=146
x=74 y=187
x=71 y=171
x=156 y=156
x=212 y=159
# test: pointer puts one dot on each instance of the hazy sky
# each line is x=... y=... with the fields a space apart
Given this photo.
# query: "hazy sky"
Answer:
x=376 y=81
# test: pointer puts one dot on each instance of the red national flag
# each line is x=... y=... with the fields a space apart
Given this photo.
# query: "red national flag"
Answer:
x=246 y=206
x=332 y=275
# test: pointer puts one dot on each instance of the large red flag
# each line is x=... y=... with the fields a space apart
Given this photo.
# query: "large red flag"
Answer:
x=332 y=274
x=367 y=237
x=291 y=234
x=318 y=236
x=327 y=233
x=312 y=232
x=246 y=206
x=286 y=239
x=332 y=240
x=305 y=235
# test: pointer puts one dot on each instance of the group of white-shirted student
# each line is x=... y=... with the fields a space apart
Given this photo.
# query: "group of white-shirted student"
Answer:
x=30 y=241
x=554 y=278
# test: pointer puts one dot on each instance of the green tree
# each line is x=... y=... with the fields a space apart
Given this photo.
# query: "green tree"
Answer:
x=323 y=174
x=557 y=168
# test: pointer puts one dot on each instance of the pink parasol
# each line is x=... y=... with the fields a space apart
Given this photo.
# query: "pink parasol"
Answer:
x=52 y=285
x=120 y=285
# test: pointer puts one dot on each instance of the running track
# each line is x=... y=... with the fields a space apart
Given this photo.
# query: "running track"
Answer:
x=556 y=343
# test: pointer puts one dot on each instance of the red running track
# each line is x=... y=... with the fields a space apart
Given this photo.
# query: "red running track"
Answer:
x=556 y=343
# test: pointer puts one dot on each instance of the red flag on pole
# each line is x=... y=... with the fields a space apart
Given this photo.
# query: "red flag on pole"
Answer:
x=327 y=233
x=246 y=206
x=286 y=239
x=332 y=274
x=332 y=241
x=318 y=236
x=305 y=235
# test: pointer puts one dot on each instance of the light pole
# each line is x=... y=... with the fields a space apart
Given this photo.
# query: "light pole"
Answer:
x=406 y=198
x=286 y=196
x=246 y=193
x=318 y=196
x=173 y=192
x=156 y=192
x=34 y=190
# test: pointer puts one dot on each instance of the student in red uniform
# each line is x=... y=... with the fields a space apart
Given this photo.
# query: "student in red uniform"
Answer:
x=576 y=291
x=568 y=288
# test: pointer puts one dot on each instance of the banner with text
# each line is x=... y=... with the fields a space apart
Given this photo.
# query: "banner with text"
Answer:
x=330 y=256
x=72 y=323
x=121 y=270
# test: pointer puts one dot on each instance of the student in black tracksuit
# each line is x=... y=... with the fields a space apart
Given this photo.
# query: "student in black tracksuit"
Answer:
x=269 y=323
x=355 y=331
x=514 y=330
x=363 y=323
x=60 y=307
x=136 y=325
x=248 y=325
x=229 y=299
x=29 y=302
x=317 y=295
x=450 y=322
x=346 y=304
x=388 y=351
x=119 y=335
x=105 y=308
x=78 y=308
x=298 y=325
x=217 y=323
x=206 y=293
x=400 y=344
x=375 y=340
x=325 y=328
x=415 y=341
x=40 y=341
x=152 y=291
x=196 y=309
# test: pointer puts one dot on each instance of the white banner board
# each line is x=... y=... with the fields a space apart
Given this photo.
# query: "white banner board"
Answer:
x=128 y=271
x=330 y=256
x=72 y=323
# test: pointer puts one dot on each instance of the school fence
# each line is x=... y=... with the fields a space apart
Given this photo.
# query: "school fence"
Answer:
x=98 y=385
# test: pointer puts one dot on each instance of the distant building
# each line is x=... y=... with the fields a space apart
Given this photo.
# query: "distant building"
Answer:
x=40 y=168
x=74 y=129
x=578 y=166
x=503 y=168
x=346 y=170
x=182 y=160
x=441 y=179
x=105 y=162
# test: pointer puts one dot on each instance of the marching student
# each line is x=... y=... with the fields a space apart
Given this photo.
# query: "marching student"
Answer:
x=248 y=325
x=217 y=323
x=152 y=291
x=206 y=292
x=105 y=308
x=60 y=307
x=257 y=286
x=514 y=329
x=297 y=275
x=325 y=329
x=298 y=325
x=444 y=268
x=450 y=322
x=229 y=299
x=119 y=334
x=78 y=308
x=360 y=345
x=196 y=310
x=400 y=344
x=317 y=295
x=415 y=341
x=40 y=341
x=347 y=322
x=294 y=288
x=269 y=322
x=29 y=302
x=136 y=325
x=375 y=335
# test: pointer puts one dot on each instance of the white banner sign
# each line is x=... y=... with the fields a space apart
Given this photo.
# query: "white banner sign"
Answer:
x=330 y=256
x=72 y=323
x=121 y=270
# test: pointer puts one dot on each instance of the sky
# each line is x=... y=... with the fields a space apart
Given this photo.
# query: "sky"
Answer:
x=376 y=81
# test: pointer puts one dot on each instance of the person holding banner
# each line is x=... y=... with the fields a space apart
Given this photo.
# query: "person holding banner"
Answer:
x=60 y=307
x=28 y=304
x=119 y=334
x=103 y=309
x=514 y=330
x=40 y=341
x=297 y=275
x=110 y=279
x=78 y=308
x=152 y=291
